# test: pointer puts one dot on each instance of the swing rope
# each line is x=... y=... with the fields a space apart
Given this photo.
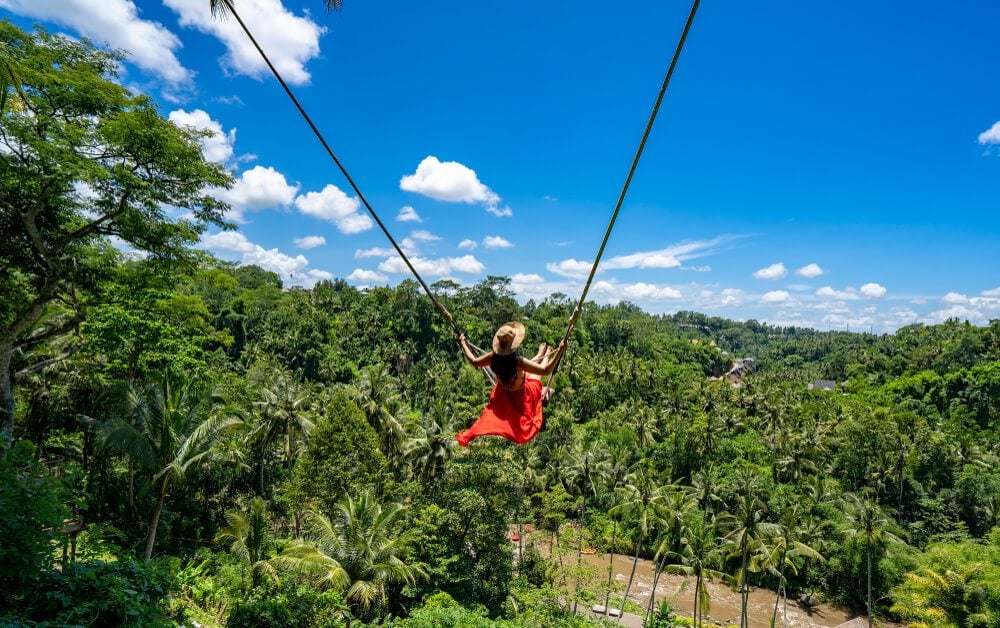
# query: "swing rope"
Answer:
x=628 y=181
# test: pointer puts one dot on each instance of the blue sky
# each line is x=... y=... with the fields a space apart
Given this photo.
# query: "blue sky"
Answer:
x=820 y=164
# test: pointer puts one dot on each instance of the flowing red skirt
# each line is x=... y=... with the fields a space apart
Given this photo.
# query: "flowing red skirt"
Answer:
x=514 y=414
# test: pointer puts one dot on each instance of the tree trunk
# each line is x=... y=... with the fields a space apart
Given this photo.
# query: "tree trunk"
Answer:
x=697 y=600
x=658 y=569
x=6 y=399
x=155 y=521
x=868 y=551
x=611 y=565
x=743 y=591
x=262 y=456
x=631 y=576
x=131 y=490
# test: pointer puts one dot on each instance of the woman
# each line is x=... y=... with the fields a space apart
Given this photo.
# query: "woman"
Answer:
x=515 y=407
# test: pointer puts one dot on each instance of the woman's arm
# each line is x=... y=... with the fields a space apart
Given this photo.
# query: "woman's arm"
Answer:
x=546 y=366
x=478 y=362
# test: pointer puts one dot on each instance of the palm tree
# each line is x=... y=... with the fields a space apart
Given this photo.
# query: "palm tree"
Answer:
x=642 y=421
x=777 y=551
x=584 y=465
x=248 y=536
x=434 y=443
x=618 y=468
x=377 y=394
x=173 y=429
x=743 y=539
x=869 y=520
x=281 y=412
x=677 y=504
x=700 y=553
x=639 y=500
x=358 y=551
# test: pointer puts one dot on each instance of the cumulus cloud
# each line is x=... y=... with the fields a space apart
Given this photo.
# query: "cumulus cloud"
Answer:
x=774 y=271
x=434 y=267
x=668 y=257
x=408 y=214
x=810 y=271
x=256 y=189
x=151 y=45
x=333 y=205
x=217 y=147
x=776 y=296
x=309 y=242
x=496 y=242
x=995 y=292
x=575 y=269
x=292 y=270
x=847 y=294
x=468 y=245
x=873 y=291
x=991 y=135
x=423 y=235
x=290 y=40
x=376 y=251
x=367 y=276
x=955 y=298
x=452 y=182
x=647 y=291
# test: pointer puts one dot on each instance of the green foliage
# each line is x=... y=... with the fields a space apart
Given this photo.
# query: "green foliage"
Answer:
x=298 y=606
x=31 y=518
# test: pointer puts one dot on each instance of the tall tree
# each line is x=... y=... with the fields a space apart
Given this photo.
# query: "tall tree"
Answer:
x=639 y=501
x=745 y=537
x=282 y=412
x=83 y=159
x=173 y=430
x=248 y=535
x=869 y=521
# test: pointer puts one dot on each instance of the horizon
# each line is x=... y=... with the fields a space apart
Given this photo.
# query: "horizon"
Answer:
x=824 y=167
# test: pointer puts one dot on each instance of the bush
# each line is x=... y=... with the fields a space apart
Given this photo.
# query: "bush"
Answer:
x=31 y=518
x=302 y=607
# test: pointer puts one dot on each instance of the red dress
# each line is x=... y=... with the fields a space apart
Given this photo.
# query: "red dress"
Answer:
x=514 y=414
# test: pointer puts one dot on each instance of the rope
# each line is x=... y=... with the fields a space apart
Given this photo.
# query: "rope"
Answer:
x=437 y=304
x=628 y=180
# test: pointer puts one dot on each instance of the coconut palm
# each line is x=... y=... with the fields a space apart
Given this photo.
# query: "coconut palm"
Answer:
x=676 y=505
x=173 y=430
x=700 y=554
x=639 y=500
x=377 y=394
x=777 y=551
x=357 y=551
x=868 y=519
x=744 y=538
x=434 y=443
x=282 y=412
x=248 y=535
x=618 y=467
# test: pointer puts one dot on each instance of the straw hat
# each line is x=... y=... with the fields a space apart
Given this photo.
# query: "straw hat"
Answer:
x=508 y=338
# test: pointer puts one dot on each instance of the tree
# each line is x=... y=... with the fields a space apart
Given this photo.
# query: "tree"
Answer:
x=173 y=430
x=434 y=443
x=868 y=520
x=358 y=551
x=777 y=552
x=280 y=413
x=676 y=504
x=248 y=536
x=639 y=501
x=700 y=554
x=745 y=537
x=83 y=160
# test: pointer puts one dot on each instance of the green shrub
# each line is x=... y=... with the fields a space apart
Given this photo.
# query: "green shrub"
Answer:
x=302 y=607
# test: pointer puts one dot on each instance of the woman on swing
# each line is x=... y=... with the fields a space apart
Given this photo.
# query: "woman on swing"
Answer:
x=515 y=407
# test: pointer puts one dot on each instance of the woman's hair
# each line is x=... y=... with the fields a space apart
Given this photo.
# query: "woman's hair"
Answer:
x=505 y=367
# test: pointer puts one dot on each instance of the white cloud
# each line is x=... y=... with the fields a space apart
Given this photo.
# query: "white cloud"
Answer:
x=150 y=45
x=309 y=242
x=467 y=245
x=289 y=40
x=991 y=135
x=333 y=205
x=873 y=291
x=368 y=276
x=668 y=257
x=217 y=147
x=647 y=291
x=847 y=294
x=810 y=271
x=955 y=298
x=292 y=270
x=524 y=278
x=434 y=267
x=572 y=268
x=424 y=236
x=774 y=271
x=256 y=189
x=452 y=182
x=496 y=242
x=776 y=296
x=995 y=292
x=374 y=252
x=408 y=214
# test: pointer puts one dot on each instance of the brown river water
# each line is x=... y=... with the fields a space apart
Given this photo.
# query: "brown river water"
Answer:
x=679 y=591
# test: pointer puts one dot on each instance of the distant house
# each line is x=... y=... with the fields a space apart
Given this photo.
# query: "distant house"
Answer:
x=823 y=384
x=740 y=368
